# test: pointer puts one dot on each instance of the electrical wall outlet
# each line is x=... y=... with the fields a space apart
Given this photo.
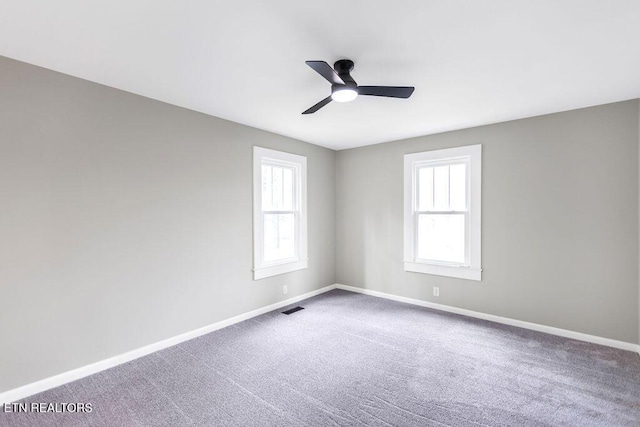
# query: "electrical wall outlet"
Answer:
x=436 y=291
x=284 y=289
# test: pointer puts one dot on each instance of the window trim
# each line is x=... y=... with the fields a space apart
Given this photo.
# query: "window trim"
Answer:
x=412 y=162
x=261 y=269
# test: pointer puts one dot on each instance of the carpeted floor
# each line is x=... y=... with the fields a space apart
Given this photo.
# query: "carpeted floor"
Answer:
x=351 y=359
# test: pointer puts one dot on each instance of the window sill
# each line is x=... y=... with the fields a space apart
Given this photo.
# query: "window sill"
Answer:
x=444 y=270
x=274 y=270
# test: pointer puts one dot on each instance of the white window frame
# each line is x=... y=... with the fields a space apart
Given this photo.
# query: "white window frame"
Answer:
x=262 y=269
x=472 y=156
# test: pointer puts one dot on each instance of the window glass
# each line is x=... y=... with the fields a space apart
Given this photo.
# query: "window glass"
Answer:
x=441 y=238
x=425 y=187
x=279 y=237
x=277 y=188
x=288 y=189
x=441 y=188
x=267 y=195
x=458 y=186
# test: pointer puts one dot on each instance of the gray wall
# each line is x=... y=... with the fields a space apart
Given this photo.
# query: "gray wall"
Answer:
x=125 y=221
x=559 y=221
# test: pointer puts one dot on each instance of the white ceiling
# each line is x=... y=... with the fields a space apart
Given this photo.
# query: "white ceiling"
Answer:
x=472 y=62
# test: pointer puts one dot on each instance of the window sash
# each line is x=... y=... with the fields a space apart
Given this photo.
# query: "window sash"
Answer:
x=295 y=197
x=296 y=239
x=416 y=230
x=434 y=164
x=417 y=166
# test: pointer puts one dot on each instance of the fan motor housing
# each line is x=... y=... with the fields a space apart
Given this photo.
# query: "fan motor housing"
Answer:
x=343 y=67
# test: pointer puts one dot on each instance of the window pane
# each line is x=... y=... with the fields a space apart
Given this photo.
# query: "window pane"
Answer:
x=266 y=188
x=279 y=232
x=441 y=238
x=277 y=188
x=441 y=188
x=425 y=189
x=457 y=177
x=287 y=184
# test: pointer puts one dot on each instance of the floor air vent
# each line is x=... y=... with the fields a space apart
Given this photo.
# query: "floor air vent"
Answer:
x=292 y=310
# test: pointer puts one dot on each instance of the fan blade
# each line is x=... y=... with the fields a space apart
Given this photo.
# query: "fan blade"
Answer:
x=318 y=106
x=325 y=71
x=390 y=91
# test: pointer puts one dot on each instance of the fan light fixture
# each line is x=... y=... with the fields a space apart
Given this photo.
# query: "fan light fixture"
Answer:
x=344 y=95
x=345 y=89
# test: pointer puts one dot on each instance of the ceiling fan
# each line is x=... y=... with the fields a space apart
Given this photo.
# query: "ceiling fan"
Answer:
x=345 y=89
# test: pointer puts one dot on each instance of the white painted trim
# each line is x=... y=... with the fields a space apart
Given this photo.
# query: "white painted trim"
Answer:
x=19 y=393
x=498 y=319
x=299 y=164
x=443 y=270
x=287 y=267
x=471 y=155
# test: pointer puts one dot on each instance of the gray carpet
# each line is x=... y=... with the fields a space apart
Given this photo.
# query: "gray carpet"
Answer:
x=351 y=359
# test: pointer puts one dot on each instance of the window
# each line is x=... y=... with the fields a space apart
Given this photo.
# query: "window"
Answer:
x=442 y=212
x=280 y=212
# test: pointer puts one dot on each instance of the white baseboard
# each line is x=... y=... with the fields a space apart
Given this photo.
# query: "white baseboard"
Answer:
x=19 y=393
x=75 y=374
x=498 y=319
